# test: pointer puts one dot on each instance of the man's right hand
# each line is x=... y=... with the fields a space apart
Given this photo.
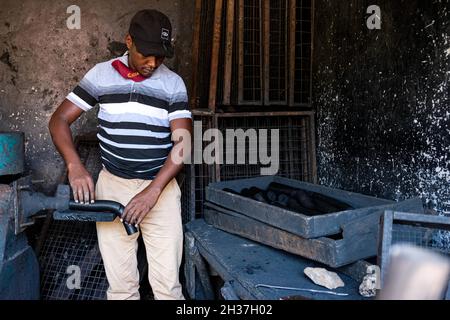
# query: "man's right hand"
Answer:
x=80 y=180
x=82 y=183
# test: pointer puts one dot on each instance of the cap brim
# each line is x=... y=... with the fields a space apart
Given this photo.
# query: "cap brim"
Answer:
x=153 y=49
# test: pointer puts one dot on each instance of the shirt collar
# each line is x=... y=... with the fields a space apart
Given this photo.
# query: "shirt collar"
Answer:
x=155 y=76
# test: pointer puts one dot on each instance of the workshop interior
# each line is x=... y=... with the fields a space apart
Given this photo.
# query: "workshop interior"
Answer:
x=328 y=125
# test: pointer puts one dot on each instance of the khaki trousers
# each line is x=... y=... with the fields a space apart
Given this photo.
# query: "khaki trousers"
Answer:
x=163 y=237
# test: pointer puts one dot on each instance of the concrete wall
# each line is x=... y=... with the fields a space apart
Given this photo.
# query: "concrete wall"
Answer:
x=41 y=60
x=382 y=98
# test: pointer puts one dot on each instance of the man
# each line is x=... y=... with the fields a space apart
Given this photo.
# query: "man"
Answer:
x=141 y=104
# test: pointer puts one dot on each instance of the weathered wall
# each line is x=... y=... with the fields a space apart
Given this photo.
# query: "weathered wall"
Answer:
x=41 y=60
x=382 y=98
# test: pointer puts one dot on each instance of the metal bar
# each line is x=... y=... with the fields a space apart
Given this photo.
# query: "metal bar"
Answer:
x=241 y=53
x=312 y=149
x=385 y=241
x=218 y=150
x=304 y=151
x=265 y=114
x=440 y=222
x=192 y=193
x=286 y=53
x=312 y=51
x=228 y=52
x=195 y=53
x=291 y=149
x=266 y=50
x=292 y=29
x=215 y=54
x=202 y=112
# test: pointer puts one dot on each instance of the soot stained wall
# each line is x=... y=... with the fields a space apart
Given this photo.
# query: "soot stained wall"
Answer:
x=382 y=99
x=41 y=61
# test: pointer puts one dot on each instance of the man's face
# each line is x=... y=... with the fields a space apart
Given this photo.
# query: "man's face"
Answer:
x=145 y=65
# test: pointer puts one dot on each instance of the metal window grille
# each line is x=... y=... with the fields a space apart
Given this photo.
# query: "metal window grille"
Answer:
x=301 y=86
x=296 y=157
x=264 y=56
x=274 y=58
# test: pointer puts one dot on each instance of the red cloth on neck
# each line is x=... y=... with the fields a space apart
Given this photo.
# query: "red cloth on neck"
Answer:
x=126 y=72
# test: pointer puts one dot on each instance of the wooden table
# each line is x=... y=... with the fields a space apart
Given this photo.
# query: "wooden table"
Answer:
x=247 y=268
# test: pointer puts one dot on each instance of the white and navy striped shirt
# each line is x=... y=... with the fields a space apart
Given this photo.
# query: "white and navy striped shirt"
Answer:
x=134 y=117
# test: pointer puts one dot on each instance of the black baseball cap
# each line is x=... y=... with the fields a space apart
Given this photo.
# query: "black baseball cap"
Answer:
x=151 y=31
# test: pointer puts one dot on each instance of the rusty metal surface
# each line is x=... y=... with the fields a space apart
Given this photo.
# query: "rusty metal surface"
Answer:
x=12 y=153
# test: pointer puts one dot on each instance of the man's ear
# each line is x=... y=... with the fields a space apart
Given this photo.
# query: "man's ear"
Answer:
x=128 y=41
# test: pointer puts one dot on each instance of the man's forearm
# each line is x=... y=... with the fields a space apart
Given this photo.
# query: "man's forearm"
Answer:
x=62 y=138
x=169 y=170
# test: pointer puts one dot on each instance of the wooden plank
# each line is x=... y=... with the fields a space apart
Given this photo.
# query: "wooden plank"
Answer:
x=195 y=53
x=292 y=43
x=228 y=292
x=228 y=52
x=266 y=50
x=189 y=267
x=215 y=54
x=203 y=275
x=241 y=52
x=320 y=250
x=385 y=241
x=359 y=237
x=250 y=265
x=195 y=268
x=265 y=114
x=313 y=6
x=219 y=152
x=425 y=220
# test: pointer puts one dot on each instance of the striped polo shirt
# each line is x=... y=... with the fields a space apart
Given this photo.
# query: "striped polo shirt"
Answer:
x=134 y=117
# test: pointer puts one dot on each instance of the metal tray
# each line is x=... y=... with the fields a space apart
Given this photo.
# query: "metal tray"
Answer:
x=293 y=222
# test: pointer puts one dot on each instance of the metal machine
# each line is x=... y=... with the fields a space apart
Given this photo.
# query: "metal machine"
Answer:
x=19 y=268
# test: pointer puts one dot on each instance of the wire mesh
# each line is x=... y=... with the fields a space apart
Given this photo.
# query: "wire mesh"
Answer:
x=221 y=65
x=295 y=157
x=69 y=243
x=303 y=39
x=72 y=244
x=424 y=237
x=197 y=175
x=293 y=146
x=278 y=56
x=204 y=53
x=251 y=51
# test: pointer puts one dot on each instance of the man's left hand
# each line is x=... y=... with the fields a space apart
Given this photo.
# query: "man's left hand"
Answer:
x=140 y=206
